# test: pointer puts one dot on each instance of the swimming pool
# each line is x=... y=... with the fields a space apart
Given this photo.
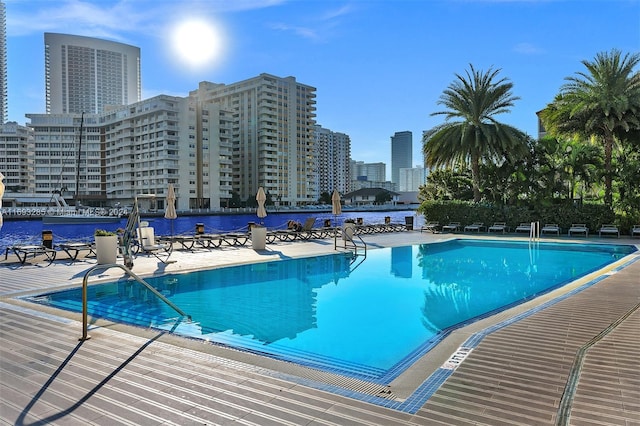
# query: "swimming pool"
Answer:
x=326 y=312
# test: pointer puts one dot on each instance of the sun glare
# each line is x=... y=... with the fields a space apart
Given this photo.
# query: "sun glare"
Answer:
x=197 y=42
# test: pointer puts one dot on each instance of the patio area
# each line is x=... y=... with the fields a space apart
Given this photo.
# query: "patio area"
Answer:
x=522 y=363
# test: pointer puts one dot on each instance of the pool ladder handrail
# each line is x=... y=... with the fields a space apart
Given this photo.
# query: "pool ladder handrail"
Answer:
x=348 y=237
x=534 y=231
x=128 y=271
x=355 y=245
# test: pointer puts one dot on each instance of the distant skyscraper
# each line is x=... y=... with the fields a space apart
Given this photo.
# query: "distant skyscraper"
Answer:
x=411 y=179
x=401 y=154
x=3 y=64
x=375 y=172
x=84 y=74
x=333 y=156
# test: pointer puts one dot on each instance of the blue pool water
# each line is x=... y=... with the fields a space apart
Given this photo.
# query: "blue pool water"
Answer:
x=359 y=320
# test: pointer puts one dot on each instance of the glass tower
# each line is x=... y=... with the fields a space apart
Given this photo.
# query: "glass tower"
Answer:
x=401 y=154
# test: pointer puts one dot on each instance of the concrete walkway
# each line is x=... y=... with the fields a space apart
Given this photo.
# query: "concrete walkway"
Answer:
x=516 y=373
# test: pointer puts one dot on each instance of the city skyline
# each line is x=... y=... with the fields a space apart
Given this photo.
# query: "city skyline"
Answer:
x=379 y=67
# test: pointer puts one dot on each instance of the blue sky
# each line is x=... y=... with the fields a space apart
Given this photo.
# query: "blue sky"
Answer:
x=379 y=66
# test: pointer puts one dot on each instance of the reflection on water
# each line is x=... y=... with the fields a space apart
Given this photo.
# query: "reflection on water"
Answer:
x=235 y=299
x=474 y=281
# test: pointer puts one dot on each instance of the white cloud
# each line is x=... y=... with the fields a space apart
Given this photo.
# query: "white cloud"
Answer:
x=304 y=32
x=110 y=19
x=528 y=49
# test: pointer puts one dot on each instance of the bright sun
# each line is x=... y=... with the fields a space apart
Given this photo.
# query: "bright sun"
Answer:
x=197 y=42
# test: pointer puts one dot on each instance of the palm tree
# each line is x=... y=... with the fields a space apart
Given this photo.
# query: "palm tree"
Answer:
x=603 y=102
x=474 y=135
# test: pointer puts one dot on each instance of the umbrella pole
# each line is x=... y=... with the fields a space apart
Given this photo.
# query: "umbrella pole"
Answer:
x=335 y=232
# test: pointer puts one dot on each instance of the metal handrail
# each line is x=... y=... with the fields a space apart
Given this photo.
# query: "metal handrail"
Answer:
x=128 y=271
x=356 y=245
x=349 y=238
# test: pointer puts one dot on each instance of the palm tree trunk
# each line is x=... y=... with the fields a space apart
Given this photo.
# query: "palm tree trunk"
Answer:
x=608 y=152
x=475 y=178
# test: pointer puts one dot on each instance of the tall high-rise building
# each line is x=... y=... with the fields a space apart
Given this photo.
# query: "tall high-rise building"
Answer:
x=411 y=179
x=401 y=154
x=374 y=172
x=85 y=74
x=272 y=136
x=333 y=157
x=3 y=64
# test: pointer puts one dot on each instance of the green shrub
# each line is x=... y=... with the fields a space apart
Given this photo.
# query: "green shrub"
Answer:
x=467 y=212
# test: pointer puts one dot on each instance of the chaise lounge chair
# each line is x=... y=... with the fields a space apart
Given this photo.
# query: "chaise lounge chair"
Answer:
x=579 y=228
x=73 y=249
x=305 y=231
x=430 y=227
x=451 y=227
x=147 y=245
x=609 y=230
x=476 y=226
x=25 y=251
x=550 y=228
x=635 y=231
x=524 y=227
x=498 y=227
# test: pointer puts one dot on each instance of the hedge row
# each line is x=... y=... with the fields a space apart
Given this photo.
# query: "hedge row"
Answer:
x=466 y=212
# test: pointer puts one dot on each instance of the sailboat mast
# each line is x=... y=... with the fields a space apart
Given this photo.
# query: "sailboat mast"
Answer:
x=78 y=161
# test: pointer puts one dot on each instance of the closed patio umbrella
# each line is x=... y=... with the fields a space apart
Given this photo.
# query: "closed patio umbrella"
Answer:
x=261 y=198
x=336 y=209
x=336 y=206
x=170 y=209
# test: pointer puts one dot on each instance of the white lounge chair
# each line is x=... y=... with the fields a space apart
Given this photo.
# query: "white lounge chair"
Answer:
x=147 y=244
x=550 y=228
x=451 y=227
x=579 y=228
x=523 y=227
x=609 y=230
x=430 y=227
x=498 y=227
x=477 y=227
x=635 y=231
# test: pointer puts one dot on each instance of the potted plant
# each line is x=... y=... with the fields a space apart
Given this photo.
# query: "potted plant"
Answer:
x=106 y=246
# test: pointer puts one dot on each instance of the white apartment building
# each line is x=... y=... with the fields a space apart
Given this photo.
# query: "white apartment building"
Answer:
x=14 y=158
x=132 y=150
x=272 y=134
x=375 y=172
x=333 y=161
x=61 y=154
x=85 y=74
x=167 y=139
x=412 y=178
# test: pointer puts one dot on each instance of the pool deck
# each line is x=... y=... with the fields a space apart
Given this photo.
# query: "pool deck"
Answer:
x=517 y=372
